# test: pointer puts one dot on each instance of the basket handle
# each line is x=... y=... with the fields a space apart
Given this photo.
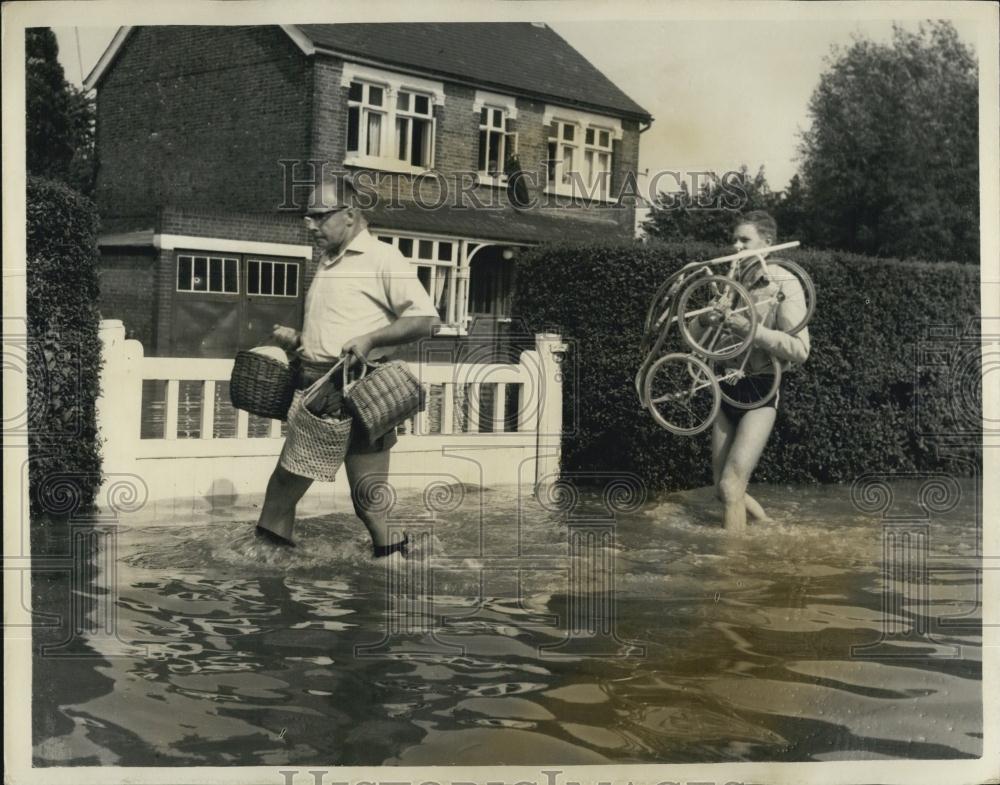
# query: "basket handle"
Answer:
x=312 y=389
x=348 y=383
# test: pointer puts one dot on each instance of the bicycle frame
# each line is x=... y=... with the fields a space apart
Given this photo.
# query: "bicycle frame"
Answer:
x=679 y=278
x=665 y=301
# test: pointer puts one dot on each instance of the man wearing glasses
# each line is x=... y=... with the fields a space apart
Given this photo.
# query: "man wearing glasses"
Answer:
x=366 y=299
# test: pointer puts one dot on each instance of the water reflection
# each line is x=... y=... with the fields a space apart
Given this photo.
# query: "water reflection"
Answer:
x=257 y=657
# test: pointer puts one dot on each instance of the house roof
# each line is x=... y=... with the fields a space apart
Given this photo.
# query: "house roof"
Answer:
x=532 y=59
x=524 y=57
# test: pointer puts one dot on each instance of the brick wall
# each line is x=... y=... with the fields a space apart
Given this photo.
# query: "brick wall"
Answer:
x=127 y=281
x=200 y=116
x=456 y=147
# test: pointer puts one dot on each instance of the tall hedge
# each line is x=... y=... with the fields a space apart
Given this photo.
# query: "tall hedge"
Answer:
x=64 y=352
x=851 y=408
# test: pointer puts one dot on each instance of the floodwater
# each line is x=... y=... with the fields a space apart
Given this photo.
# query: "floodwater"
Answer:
x=519 y=633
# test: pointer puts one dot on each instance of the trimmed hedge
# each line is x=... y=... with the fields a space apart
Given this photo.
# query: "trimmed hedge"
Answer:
x=850 y=409
x=64 y=350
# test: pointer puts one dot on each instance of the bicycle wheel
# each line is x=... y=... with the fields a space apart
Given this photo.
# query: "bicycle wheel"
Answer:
x=756 y=389
x=783 y=272
x=681 y=393
x=722 y=295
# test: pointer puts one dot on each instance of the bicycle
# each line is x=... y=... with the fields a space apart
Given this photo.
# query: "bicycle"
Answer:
x=682 y=390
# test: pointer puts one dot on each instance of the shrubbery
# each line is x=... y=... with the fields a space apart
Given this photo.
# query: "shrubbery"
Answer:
x=851 y=408
x=64 y=351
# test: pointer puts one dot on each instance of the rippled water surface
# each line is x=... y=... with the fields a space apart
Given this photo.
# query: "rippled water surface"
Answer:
x=500 y=642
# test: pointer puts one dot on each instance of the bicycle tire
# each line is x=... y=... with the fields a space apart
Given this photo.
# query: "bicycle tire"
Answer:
x=748 y=405
x=745 y=304
x=702 y=380
x=808 y=289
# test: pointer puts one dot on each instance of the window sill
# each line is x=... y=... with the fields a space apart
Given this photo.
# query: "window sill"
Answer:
x=566 y=190
x=383 y=164
x=491 y=181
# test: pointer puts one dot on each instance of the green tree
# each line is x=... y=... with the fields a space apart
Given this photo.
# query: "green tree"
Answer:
x=60 y=118
x=708 y=215
x=890 y=162
x=790 y=209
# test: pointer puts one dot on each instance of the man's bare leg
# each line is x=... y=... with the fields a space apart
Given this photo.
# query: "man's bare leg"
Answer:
x=745 y=450
x=723 y=434
x=277 y=516
x=366 y=474
x=754 y=509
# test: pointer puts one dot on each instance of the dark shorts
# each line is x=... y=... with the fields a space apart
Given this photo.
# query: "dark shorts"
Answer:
x=330 y=401
x=747 y=389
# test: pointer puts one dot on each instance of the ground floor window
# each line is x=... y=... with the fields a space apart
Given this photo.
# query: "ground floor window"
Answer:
x=436 y=261
x=219 y=274
x=278 y=279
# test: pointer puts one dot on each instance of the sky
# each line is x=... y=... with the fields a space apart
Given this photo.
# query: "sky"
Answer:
x=722 y=92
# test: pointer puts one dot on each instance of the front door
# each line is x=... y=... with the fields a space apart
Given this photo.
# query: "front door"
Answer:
x=227 y=302
x=491 y=290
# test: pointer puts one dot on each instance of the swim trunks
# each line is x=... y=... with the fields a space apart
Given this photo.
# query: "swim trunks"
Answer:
x=747 y=390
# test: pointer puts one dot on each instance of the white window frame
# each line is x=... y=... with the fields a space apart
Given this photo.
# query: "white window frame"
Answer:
x=581 y=122
x=508 y=143
x=391 y=83
x=411 y=116
x=208 y=257
x=507 y=104
x=366 y=110
x=273 y=262
x=442 y=286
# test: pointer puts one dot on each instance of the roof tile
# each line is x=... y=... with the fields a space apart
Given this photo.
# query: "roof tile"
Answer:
x=522 y=57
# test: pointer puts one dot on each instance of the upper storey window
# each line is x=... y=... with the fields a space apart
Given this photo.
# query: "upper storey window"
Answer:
x=580 y=152
x=497 y=134
x=390 y=119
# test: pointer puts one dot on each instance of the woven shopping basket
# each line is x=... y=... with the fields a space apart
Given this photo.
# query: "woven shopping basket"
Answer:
x=315 y=446
x=261 y=385
x=384 y=396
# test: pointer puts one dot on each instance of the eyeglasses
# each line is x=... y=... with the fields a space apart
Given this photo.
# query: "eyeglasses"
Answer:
x=319 y=218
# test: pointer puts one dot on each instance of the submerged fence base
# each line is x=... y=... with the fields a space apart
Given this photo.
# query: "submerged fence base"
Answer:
x=169 y=432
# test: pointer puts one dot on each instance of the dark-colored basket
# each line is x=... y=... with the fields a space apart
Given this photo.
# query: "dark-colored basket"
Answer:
x=261 y=385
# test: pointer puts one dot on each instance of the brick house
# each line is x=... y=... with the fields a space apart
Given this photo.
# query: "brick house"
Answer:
x=199 y=129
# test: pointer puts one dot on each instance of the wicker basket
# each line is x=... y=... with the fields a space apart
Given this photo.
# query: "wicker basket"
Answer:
x=261 y=385
x=314 y=447
x=384 y=396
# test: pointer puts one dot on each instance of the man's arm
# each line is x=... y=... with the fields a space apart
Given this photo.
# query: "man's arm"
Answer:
x=404 y=330
x=791 y=311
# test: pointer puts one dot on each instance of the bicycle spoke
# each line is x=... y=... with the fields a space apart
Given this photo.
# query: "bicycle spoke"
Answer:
x=682 y=394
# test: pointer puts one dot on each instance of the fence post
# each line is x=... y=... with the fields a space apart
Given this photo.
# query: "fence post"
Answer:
x=551 y=350
x=119 y=403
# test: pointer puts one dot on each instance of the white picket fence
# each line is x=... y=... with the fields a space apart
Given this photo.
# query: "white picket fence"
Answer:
x=169 y=430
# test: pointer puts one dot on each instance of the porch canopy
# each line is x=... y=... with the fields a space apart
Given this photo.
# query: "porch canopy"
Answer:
x=501 y=224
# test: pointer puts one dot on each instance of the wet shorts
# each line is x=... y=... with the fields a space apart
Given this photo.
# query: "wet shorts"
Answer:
x=330 y=401
x=748 y=389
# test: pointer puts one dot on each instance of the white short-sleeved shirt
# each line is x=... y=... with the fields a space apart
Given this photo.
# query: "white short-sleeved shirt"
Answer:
x=368 y=286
